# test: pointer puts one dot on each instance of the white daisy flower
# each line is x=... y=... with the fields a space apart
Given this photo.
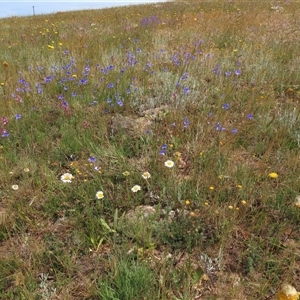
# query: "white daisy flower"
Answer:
x=169 y=163
x=146 y=175
x=67 y=177
x=99 y=195
x=136 y=188
x=15 y=187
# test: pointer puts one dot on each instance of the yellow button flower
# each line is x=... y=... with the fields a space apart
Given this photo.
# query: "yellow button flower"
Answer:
x=273 y=175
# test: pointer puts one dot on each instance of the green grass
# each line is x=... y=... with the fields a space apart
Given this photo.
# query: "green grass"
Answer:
x=108 y=95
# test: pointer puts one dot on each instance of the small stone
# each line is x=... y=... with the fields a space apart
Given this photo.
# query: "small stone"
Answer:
x=142 y=211
x=288 y=292
x=297 y=201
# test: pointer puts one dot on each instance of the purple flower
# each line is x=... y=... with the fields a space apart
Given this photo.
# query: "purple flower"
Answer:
x=249 y=116
x=238 y=72
x=18 y=116
x=48 y=79
x=225 y=106
x=186 y=122
x=83 y=81
x=228 y=73
x=4 y=133
x=92 y=159
x=234 y=130
x=184 y=76
x=217 y=70
x=162 y=152
x=219 y=127
x=186 y=90
x=110 y=85
x=163 y=149
x=64 y=104
x=120 y=102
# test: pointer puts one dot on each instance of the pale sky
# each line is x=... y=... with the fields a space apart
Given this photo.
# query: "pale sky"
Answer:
x=25 y=8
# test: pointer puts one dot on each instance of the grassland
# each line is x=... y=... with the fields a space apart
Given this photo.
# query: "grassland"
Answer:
x=151 y=152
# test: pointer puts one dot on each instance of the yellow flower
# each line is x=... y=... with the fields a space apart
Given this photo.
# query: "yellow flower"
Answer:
x=26 y=170
x=50 y=47
x=244 y=202
x=211 y=188
x=99 y=195
x=187 y=202
x=126 y=173
x=273 y=175
x=177 y=154
x=288 y=292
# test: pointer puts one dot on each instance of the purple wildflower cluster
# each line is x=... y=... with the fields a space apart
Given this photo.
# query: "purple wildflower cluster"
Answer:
x=163 y=149
x=151 y=20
